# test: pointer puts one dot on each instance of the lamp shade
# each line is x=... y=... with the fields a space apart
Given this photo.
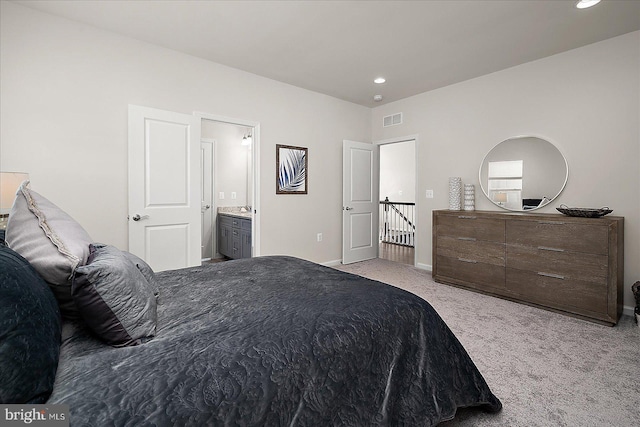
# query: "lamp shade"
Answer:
x=500 y=197
x=9 y=184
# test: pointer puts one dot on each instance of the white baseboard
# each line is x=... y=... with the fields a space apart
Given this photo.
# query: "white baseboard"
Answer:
x=627 y=311
x=339 y=261
x=427 y=267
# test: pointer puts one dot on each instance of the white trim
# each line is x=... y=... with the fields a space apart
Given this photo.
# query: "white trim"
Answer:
x=214 y=208
x=334 y=263
x=422 y=266
x=407 y=138
x=255 y=158
x=627 y=311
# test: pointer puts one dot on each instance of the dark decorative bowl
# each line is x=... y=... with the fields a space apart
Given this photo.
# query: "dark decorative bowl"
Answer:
x=584 y=212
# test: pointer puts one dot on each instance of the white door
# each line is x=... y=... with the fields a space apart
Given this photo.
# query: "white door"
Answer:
x=359 y=202
x=164 y=188
x=206 y=203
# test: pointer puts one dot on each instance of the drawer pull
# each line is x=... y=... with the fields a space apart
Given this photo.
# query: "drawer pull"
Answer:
x=468 y=239
x=471 y=261
x=551 y=222
x=554 y=276
x=546 y=248
x=466 y=217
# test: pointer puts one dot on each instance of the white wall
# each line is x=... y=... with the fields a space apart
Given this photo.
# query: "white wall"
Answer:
x=232 y=161
x=65 y=89
x=398 y=171
x=586 y=101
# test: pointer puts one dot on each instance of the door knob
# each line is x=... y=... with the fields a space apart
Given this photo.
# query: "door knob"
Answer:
x=137 y=217
x=348 y=208
x=205 y=207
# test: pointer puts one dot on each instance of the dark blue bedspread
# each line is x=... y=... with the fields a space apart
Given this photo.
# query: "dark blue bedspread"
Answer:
x=274 y=341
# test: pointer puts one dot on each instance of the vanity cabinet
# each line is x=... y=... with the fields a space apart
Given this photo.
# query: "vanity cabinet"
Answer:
x=566 y=264
x=234 y=236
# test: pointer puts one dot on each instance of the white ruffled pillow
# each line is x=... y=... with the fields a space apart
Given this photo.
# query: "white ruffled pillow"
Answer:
x=53 y=242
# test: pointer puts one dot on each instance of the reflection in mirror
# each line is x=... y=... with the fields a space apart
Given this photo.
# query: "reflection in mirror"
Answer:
x=523 y=173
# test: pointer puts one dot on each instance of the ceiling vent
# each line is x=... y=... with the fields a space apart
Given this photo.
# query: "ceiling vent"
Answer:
x=392 y=120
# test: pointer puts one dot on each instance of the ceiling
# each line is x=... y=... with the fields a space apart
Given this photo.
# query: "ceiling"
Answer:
x=339 y=47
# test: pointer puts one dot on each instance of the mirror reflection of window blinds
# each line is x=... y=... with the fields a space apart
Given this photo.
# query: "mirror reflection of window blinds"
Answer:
x=505 y=184
x=505 y=175
x=505 y=169
x=505 y=181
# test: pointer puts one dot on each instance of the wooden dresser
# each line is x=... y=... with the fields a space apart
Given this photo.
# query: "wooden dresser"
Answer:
x=566 y=264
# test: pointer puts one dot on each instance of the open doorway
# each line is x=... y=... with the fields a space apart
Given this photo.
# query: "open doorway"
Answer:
x=229 y=197
x=397 y=230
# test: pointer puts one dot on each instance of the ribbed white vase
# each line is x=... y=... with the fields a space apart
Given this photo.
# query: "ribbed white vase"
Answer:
x=469 y=197
x=455 y=193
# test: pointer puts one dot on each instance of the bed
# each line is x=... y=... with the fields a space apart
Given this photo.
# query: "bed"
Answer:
x=264 y=341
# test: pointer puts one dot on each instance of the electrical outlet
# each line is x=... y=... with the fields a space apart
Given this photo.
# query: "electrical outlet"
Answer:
x=221 y=195
x=233 y=194
x=319 y=237
x=429 y=194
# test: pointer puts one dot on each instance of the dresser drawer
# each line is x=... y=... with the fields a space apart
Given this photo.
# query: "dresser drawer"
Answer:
x=469 y=249
x=569 y=265
x=470 y=273
x=471 y=226
x=558 y=234
x=566 y=294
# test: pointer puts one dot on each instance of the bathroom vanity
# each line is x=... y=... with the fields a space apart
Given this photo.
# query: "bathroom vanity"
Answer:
x=234 y=234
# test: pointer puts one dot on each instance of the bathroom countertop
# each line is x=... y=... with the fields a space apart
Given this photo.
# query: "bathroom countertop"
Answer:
x=235 y=213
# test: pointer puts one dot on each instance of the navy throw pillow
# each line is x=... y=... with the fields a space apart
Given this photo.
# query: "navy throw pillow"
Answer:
x=29 y=332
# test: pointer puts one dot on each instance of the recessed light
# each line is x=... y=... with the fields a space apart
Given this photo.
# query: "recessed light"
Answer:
x=583 y=4
x=380 y=80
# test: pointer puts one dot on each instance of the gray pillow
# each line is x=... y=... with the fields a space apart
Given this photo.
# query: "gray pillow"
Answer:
x=114 y=298
x=145 y=269
x=53 y=242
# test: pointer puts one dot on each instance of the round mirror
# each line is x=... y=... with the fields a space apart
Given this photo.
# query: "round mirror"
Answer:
x=523 y=173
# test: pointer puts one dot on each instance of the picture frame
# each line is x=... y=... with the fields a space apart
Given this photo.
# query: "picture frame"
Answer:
x=292 y=169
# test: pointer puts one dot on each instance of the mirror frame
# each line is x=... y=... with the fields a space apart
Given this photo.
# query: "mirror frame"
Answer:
x=551 y=199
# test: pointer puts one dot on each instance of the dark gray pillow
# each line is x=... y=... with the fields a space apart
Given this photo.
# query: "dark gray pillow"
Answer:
x=114 y=298
x=146 y=271
x=29 y=332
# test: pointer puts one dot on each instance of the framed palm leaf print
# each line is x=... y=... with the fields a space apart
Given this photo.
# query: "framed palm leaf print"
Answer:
x=291 y=164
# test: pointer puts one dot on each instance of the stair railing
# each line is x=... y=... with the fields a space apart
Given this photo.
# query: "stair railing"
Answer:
x=397 y=221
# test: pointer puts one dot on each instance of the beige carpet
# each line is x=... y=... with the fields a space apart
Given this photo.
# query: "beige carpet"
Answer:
x=547 y=369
